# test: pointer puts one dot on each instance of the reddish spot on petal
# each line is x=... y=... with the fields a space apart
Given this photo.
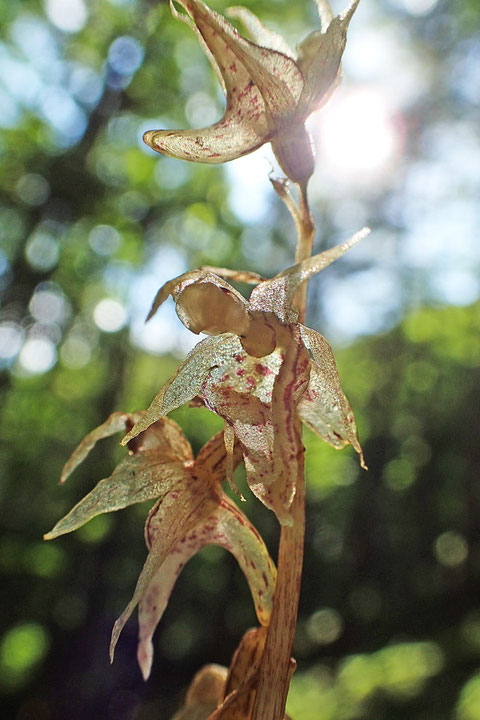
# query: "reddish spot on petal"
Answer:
x=263 y=370
x=241 y=372
x=250 y=382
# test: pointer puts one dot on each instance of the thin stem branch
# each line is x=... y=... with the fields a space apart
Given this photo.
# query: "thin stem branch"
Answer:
x=277 y=666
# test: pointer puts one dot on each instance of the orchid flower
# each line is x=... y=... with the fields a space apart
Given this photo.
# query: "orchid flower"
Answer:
x=270 y=92
x=259 y=367
x=191 y=511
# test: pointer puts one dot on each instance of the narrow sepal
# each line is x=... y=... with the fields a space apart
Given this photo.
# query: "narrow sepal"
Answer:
x=188 y=380
x=116 y=422
x=260 y=33
x=218 y=523
x=276 y=295
x=324 y=407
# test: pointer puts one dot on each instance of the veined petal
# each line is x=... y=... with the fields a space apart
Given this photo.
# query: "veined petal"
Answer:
x=240 y=686
x=258 y=402
x=324 y=407
x=189 y=22
x=116 y=422
x=188 y=380
x=230 y=138
x=140 y=477
x=259 y=33
x=205 y=303
x=276 y=75
x=243 y=128
x=241 y=276
x=227 y=527
x=206 y=691
x=319 y=57
x=325 y=13
x=235 y=533
x=181 y=509
x=276 y=295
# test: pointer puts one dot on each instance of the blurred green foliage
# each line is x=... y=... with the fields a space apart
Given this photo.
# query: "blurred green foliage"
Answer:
x=389 y=621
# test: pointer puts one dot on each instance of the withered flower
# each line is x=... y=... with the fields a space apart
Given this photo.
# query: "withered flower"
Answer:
x=270 y=91
x=258 y=369
x=191 y=511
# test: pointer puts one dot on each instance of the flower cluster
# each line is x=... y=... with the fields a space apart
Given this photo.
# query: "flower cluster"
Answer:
x=257 y=370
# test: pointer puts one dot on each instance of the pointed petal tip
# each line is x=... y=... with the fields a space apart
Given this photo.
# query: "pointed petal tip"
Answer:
x=348 y=13
x=363 y=464
x=357 y=237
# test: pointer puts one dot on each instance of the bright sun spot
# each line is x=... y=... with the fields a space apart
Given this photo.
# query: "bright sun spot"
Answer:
x=355 y=135
x=109 y=315
x=68 y=15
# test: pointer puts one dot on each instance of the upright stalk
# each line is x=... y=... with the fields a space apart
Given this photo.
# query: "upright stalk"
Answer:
x=276 y=666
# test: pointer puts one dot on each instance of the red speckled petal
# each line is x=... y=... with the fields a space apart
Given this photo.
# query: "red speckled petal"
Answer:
x=188 y=380
x=227 y=527
x=257 y=398
x=276 y=75
x=116 y=422
x=140 y=477
x=324 y=407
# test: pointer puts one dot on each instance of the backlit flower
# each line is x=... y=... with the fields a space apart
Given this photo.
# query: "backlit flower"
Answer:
x=259 y=369
x=270 y=90
x=191 y=511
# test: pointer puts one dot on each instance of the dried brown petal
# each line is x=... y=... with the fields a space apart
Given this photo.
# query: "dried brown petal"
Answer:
x=204 y=694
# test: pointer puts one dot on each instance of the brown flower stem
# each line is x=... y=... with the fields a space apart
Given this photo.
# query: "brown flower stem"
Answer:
x=276 y=667
x=306 y=233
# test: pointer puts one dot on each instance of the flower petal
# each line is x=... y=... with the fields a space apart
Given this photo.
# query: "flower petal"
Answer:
x=188 y=380
x=206 y=691
x=225 y=526
x=212 y=459
x=276 y=295
x=140 y=477
x=243 y=127
x=325 y=13
x=319 y=57
x=240 y=686
x=116 y=422
x=259 y=33
x=324 y=407
x=245 y=393
x=219 y=306
x=276 y=76
x=176 y=514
